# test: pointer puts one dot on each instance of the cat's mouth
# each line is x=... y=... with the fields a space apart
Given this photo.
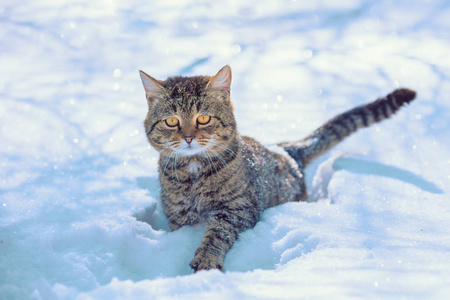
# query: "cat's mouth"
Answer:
x=190 y=149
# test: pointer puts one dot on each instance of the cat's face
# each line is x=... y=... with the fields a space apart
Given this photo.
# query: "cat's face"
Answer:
x=190 y=115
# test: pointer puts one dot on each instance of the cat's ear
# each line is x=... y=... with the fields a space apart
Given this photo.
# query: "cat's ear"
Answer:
x=153 y=90
x=221 y=81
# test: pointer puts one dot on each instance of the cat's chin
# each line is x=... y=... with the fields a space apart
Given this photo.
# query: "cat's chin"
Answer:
x=189 y=151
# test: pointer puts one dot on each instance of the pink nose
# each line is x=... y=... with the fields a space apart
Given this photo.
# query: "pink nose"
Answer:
x=188 y=138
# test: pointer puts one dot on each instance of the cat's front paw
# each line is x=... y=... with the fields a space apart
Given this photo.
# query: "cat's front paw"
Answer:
x=206 y=261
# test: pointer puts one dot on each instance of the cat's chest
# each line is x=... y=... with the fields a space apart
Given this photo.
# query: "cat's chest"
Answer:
x=194 y=183
x=193 y=168
x=190 y=180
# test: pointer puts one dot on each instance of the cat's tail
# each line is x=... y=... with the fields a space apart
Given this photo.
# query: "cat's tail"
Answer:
x=341 y=126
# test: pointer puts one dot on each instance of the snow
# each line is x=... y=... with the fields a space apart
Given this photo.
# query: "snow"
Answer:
x=79 y=206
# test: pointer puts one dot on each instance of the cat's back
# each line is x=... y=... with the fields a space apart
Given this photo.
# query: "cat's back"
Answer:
x=274 y=175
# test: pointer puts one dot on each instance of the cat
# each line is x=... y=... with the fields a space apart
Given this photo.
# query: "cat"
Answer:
x=211 y=174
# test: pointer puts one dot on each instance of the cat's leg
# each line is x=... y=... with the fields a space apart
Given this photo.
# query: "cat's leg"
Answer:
x=180 y=212
x=183 y=218
x=221 y=233
x=178 y=216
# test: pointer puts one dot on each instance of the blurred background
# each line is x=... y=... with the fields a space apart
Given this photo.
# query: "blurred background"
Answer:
x=68 y=69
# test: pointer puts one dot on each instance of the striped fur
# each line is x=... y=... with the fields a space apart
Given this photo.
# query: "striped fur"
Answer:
x=341 y=126
x=210 y=174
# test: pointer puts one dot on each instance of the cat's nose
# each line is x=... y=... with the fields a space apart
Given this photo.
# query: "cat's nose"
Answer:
x=188 y=138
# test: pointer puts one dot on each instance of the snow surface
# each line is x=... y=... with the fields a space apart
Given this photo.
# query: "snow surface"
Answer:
x=79 y=206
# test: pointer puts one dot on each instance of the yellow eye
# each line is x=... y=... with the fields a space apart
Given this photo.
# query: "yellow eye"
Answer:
x=203 y=120
x=172 y=122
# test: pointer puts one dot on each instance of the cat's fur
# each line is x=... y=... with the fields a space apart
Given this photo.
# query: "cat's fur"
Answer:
x=210 y=174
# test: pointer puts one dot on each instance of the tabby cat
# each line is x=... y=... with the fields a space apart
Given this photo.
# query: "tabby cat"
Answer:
x=211 y=174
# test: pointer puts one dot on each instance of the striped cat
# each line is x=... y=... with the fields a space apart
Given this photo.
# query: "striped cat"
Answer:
x=211 y=174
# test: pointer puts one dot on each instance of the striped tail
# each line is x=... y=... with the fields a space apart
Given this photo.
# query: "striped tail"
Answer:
x=341 y=126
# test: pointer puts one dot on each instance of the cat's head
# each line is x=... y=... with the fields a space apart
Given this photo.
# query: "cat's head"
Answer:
x=190 y=115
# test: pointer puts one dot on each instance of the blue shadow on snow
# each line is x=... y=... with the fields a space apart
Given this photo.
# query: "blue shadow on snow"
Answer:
x=359 y=166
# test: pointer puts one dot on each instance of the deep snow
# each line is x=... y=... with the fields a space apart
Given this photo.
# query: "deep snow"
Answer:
x=79 y=206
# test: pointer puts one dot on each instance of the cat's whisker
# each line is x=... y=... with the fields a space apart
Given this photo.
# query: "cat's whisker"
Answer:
x=214 y=165
x=175 y=163
x=211 y=163
x=219 y=157
x=148 y=148
x=215 y=144
x=145 y=158
x=164 y=149
x=166 y=161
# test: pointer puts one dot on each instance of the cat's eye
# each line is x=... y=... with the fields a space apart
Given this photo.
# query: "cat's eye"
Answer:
x=172 y=122
x=203 y=120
